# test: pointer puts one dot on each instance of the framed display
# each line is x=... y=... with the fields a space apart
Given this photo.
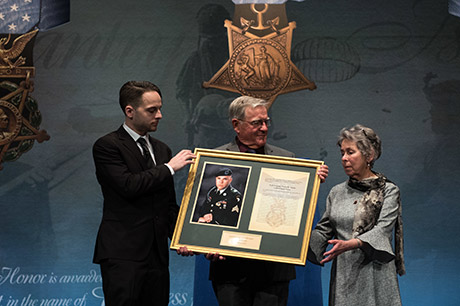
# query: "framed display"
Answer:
x=248 y=205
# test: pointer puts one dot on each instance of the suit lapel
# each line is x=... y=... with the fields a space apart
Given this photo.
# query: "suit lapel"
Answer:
x=160 y=157
x=128 y=142
x=268 y=150
x=233 y=146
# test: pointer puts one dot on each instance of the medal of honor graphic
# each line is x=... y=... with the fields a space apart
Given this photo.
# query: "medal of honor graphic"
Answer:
x=259 y=65
x=19 y=115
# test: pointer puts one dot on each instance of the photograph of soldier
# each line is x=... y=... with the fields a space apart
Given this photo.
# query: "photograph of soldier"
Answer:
x=223 y=201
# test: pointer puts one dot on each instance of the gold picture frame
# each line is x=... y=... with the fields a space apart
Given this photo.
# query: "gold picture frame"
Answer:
x=266 y=213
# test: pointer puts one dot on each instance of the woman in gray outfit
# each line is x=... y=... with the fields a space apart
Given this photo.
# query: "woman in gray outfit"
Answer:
x=358 y=223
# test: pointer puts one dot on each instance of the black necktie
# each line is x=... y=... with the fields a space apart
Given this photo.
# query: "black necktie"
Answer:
x=146 y=152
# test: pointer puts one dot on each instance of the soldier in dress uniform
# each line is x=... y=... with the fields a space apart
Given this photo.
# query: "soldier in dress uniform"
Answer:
x=223 y=202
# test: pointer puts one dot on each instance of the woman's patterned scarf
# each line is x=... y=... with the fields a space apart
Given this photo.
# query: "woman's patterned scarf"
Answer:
x=368 y=211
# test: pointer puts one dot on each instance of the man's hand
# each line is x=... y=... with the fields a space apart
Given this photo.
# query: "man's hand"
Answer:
x=183 y=251
x=182 y=159
x=205 y=219
x=214 y=257
x=323 y=173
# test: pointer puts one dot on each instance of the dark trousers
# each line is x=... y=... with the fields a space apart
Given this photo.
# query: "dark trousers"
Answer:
x=251 y=293
x=132 y=283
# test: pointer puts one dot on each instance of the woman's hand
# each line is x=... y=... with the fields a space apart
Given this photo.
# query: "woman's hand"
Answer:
x=339 y=247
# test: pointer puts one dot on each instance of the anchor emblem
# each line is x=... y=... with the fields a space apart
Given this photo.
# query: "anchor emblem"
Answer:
x=270 y=24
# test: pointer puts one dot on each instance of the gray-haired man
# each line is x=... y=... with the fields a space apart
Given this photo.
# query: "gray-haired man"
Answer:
x=247 y=282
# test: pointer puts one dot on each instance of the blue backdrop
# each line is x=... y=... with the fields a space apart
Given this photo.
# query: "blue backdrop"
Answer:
x=392 y=65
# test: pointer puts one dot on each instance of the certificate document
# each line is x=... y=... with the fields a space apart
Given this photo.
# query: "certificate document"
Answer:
x=279 y=201
x=271 y=218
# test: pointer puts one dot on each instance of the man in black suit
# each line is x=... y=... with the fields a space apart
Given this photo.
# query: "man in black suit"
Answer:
x=135 y=172
x=245 y=282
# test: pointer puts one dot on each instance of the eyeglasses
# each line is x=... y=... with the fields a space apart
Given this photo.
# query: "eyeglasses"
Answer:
x=258 y=123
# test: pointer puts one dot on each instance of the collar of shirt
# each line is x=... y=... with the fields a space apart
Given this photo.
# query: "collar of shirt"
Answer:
x=245 y=149
x=221 y=191
x=136 y=136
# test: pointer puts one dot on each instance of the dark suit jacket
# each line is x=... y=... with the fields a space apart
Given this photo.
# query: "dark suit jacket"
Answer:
x=235 y=269
x=139 y=203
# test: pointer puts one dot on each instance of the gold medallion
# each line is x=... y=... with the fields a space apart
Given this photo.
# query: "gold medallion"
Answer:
x=20 y=118
x=259 y=49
